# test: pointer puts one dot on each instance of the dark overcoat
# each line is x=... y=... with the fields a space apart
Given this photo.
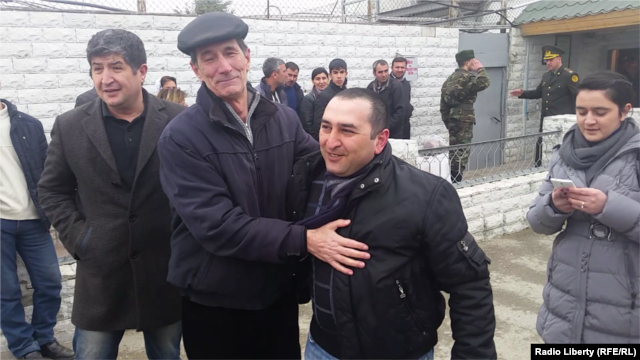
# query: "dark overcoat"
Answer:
x=119 y=236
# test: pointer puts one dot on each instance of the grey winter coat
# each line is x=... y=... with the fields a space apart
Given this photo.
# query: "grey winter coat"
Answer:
x=591 y=295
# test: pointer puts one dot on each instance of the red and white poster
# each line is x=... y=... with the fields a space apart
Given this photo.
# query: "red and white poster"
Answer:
x=412 y=68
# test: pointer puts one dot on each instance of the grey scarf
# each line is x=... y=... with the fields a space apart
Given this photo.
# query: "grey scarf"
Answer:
x=580 y=154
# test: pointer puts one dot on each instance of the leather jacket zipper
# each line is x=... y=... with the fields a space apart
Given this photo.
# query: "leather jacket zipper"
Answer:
x=403 y=296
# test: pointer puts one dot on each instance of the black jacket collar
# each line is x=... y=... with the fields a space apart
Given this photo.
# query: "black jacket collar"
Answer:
x=336 y=87
x=402 y=80
x=267 y=87
x=378 y=174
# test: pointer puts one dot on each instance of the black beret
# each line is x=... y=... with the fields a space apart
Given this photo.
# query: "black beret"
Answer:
x=211 y=28
x=465 y=55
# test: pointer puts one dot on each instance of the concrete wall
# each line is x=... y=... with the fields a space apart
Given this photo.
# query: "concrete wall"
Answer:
x=515 y=80
x=43 y=64
x=525 y=72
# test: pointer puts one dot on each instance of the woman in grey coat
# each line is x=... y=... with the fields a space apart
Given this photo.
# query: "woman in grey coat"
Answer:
x=320 y=78
x=591 y=295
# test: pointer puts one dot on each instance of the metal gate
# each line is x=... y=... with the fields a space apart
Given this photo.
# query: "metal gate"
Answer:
x=493 y=51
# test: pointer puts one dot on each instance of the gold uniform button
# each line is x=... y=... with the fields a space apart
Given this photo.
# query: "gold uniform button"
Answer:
x=547 y=108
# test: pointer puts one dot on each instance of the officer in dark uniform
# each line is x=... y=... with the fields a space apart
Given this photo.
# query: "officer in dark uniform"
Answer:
x=558 y=90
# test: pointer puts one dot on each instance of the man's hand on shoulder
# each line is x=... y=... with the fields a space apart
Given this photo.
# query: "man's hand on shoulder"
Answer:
x=337 y=251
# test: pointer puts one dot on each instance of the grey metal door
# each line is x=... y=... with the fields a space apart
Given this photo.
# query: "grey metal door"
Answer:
x=493 y=51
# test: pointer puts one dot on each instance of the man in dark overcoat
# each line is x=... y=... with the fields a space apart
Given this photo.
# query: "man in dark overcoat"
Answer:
x=101 y=190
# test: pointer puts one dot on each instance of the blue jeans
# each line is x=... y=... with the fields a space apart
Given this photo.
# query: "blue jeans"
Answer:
x=32 y=241
x=313 y=351
x=162 y=343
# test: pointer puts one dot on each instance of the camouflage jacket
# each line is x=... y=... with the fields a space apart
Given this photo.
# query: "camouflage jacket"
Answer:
x=459 y=92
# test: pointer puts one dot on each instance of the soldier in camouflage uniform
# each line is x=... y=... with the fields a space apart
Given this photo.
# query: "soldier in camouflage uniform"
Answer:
x=459 y=92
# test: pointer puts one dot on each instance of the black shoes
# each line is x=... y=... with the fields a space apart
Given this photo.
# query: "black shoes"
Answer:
x=54 y=350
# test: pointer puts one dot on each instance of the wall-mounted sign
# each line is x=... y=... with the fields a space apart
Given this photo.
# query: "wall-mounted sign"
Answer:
x=412 y=68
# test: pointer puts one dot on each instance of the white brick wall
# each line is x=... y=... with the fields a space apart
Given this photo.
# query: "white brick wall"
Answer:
x=515 y=80
x=499 y=208
x=43 y=60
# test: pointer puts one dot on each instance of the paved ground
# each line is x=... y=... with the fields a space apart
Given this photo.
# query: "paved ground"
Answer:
x=517 y=276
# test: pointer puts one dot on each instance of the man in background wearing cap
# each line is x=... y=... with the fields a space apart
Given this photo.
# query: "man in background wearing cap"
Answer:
x=338 y=74
x=558 y=90
x=459 y=93
x=226 y=162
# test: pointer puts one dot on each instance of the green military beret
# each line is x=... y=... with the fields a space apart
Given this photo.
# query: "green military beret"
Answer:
x=465 y=55
x=211 y=28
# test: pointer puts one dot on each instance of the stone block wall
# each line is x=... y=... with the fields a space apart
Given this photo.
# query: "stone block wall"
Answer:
x=515 y=80
x=499 y=208
x=43 y=62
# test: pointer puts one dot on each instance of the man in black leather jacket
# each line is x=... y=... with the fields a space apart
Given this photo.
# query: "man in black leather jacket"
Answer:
x=413 y=224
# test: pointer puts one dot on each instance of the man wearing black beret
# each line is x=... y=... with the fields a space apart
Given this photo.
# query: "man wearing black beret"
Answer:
x=225 y=165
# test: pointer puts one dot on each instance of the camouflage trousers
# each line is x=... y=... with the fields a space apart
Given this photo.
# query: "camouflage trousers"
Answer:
x=460 y=132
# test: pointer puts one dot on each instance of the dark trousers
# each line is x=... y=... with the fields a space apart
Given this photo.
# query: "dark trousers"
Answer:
x=538 y=159
x=221 y=333
x=406 y=130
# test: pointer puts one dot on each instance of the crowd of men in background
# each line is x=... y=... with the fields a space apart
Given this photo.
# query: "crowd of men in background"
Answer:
x=210 y=223
x=280 y=84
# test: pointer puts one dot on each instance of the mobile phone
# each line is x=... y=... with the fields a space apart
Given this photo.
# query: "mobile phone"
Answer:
x=562 y=183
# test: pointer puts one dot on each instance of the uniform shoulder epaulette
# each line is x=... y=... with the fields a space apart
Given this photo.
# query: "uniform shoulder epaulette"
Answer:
x=568 y=70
